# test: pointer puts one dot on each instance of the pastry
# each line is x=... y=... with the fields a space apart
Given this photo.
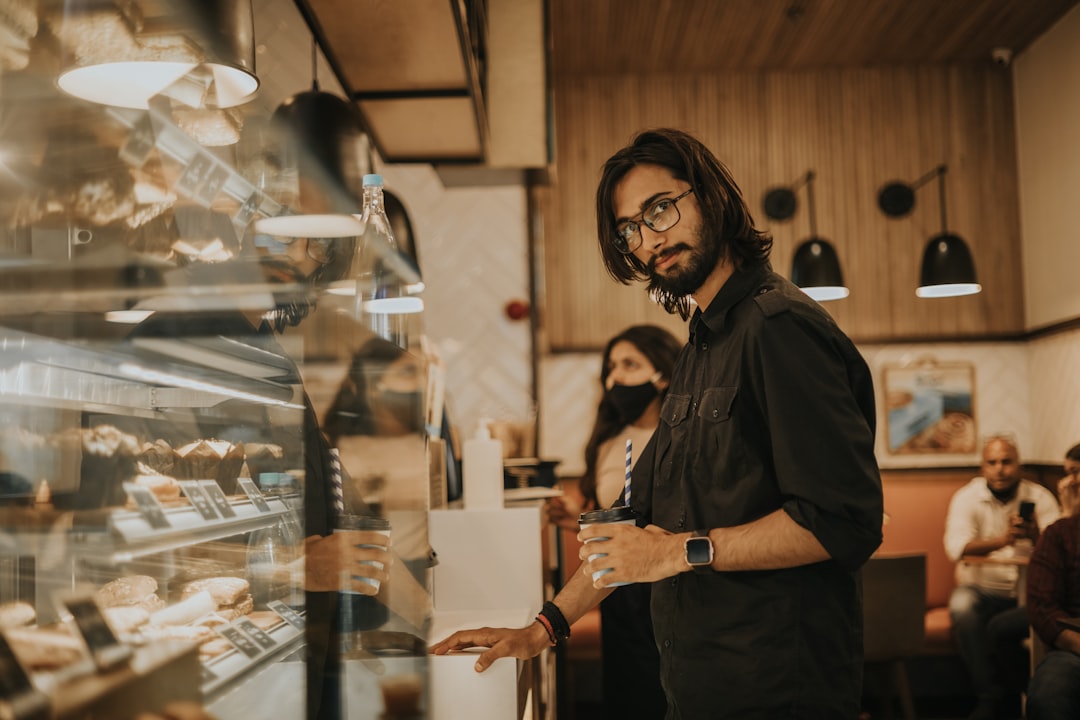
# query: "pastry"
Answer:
x=16 y=614
x=231 y=594
x=186 y=611
x=44 y=649
x=129 y=590
x=158 y=456
x=126 y=618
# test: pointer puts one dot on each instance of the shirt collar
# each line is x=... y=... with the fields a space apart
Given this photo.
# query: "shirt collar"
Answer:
x=741 y=283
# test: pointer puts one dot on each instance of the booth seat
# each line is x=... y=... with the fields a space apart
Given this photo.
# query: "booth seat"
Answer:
x=916 y=503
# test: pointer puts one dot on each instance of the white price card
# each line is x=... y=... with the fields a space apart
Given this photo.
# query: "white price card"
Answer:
x=148 y=505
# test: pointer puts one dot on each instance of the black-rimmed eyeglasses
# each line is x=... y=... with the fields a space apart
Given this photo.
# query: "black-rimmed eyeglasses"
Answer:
x=661 y=215
x=318 y=249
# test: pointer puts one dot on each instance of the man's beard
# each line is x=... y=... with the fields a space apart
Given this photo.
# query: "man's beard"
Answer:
x=697 y=265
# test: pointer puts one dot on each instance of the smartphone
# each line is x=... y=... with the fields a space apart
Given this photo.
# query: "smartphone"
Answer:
x=1027 y=510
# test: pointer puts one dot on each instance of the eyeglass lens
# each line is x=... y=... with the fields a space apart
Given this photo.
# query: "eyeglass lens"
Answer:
x=660 y=216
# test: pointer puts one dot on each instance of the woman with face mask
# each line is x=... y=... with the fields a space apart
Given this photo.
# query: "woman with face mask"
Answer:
x=635 y=374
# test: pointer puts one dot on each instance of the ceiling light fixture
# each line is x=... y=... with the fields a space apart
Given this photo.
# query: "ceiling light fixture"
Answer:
x=318 y=134
x=948 y=269
x=815 y=266
x=123 y=59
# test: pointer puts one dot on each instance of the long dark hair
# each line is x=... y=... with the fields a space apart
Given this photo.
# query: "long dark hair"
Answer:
x=725 y=217
x=351 y=412
x=661 y=348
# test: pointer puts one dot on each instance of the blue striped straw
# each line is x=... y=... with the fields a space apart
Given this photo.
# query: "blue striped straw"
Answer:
x=626 y=486
x=335 y=481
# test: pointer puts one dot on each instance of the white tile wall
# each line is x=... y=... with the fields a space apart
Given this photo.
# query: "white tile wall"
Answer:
x=1029 y=389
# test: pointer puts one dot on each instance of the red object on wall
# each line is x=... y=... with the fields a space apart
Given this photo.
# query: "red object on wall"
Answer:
x=517 y=309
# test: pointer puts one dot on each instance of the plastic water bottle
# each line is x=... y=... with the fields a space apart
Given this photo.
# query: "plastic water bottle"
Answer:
x=383 y=286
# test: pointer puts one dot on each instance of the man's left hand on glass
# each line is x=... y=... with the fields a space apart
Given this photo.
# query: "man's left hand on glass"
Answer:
x=632 y=554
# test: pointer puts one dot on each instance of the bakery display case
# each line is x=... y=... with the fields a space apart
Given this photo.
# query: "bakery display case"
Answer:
x=190 y=400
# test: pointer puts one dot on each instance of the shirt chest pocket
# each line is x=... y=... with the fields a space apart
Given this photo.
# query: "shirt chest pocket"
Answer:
x=716 y=404
x=675 y=410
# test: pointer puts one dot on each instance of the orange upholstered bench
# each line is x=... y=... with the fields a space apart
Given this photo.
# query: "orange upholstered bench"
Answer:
x=916 y=503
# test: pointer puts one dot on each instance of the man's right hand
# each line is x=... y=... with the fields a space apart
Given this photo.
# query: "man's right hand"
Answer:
x=523 y=643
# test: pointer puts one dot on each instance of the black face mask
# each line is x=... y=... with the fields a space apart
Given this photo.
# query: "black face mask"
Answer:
x=1003 y=495
x=631 y=400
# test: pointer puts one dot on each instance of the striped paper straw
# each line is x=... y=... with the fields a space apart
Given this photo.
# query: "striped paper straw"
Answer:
x=335 y=482
x=626 y=485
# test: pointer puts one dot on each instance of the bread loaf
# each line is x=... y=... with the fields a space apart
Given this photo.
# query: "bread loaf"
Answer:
x=125 y=619
x=224 y=590
x=44 y=649
x=16 y=614
x=130 y=590
x=185 y=611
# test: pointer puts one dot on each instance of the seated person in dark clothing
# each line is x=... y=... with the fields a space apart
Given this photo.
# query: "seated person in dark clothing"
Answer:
x=1053 y=594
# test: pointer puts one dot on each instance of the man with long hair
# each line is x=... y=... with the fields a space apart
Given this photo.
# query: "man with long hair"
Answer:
x=758 y=498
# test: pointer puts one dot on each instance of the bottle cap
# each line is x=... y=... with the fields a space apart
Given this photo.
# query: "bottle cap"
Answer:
x=484 y=429
x=372 y=179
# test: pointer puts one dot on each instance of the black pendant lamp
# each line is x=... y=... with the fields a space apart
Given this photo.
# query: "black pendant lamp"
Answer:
x=815 y=267
x=948 y=269
x=320 y=135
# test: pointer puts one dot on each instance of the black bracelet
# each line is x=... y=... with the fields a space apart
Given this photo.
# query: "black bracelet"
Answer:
x=559 y=626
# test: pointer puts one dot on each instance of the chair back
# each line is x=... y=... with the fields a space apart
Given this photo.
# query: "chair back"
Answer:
x=894 y=606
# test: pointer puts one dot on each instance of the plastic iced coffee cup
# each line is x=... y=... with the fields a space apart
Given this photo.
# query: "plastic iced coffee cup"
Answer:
x=621 y=515
x=368 y=523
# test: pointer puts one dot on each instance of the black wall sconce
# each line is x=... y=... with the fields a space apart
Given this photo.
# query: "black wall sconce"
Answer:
x=815 y=267
x=947 y=267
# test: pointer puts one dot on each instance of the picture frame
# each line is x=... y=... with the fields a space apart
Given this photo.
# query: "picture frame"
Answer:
x=930 y=408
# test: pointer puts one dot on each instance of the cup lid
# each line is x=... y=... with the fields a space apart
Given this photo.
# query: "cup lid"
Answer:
x=606 y=515
x=361 y=522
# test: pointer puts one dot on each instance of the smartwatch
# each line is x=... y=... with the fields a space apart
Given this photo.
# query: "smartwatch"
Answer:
x=699 y=552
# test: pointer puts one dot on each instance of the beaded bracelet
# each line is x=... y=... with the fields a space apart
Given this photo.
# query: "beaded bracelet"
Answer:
x=547 y=627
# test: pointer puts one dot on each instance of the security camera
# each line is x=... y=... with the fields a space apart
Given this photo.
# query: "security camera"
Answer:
x=1001 y=56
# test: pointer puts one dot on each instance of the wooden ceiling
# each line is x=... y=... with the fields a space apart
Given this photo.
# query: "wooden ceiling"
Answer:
x=647 y=36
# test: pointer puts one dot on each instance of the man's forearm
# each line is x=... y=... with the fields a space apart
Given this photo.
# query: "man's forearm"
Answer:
x=578 y=596
x=769 y=543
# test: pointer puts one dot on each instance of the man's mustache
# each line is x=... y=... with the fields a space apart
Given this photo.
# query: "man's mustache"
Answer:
x=665 y=253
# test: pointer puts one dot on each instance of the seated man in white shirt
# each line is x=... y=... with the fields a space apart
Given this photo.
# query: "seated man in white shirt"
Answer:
x=984 y=520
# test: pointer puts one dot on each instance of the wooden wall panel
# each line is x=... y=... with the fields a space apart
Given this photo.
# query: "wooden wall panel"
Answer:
x=857 y=129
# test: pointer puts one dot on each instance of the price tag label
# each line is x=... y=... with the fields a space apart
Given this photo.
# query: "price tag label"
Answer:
x=287 y=613
x=139 y=143
x=261 y=638
x=194 y=175
x=206 y=675
x=148 y=505
x=254 y=494
x=239 y=640
x=217 y=497
x=199 y=499
x=214 y=182
x=247 y=210
x=106 y=650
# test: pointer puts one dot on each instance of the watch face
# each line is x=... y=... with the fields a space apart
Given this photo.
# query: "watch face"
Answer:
x=699 y=551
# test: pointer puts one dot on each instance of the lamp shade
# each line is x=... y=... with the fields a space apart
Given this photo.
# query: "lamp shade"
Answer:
x=321 y=132
x=816 y=270
x=201 y=54
x=947 y=268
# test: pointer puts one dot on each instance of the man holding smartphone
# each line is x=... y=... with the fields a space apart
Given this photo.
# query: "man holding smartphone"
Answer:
x=997 y=515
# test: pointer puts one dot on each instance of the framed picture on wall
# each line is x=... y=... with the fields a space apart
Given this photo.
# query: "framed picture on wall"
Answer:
x=930 y=407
